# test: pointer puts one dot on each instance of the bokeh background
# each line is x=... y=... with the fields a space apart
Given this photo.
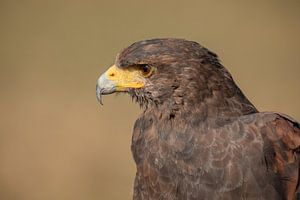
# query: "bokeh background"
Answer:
x=57 y=143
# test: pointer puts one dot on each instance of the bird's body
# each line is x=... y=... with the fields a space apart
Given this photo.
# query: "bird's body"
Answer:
x=234 y=161
x=199 y=137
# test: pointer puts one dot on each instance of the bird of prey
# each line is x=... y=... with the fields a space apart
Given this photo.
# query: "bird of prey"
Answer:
x=198 y=136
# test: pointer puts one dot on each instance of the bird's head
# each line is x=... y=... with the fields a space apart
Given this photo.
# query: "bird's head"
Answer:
x=159 y=70
x=176 y=77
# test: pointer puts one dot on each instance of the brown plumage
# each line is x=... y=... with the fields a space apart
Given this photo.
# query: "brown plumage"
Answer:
x=199 y=137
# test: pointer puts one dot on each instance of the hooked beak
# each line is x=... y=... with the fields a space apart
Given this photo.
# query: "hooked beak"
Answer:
x=116 y=79
x=104 y=86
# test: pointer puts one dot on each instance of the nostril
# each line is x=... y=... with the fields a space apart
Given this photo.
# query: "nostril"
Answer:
x=112 y=74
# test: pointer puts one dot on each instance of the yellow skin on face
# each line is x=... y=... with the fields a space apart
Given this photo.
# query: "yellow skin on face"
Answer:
x=116 y=79
x=130 y=77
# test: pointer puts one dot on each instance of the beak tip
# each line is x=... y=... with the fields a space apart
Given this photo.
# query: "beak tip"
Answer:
x=104 y=86
x=99 y=94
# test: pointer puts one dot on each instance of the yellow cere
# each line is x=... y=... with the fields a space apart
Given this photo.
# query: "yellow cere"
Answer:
x=125 y=78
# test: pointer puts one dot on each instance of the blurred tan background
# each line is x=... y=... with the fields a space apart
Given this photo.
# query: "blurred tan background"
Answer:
x=57 y=143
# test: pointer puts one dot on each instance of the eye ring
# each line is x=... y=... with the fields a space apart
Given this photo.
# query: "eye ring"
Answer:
x=146 y=70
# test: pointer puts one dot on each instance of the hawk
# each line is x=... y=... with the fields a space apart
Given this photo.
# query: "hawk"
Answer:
x=198 y=136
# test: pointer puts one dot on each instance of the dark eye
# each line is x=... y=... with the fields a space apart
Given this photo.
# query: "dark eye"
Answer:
x=146 y=70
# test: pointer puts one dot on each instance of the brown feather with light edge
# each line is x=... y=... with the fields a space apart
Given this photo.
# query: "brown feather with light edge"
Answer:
x=199 y=137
